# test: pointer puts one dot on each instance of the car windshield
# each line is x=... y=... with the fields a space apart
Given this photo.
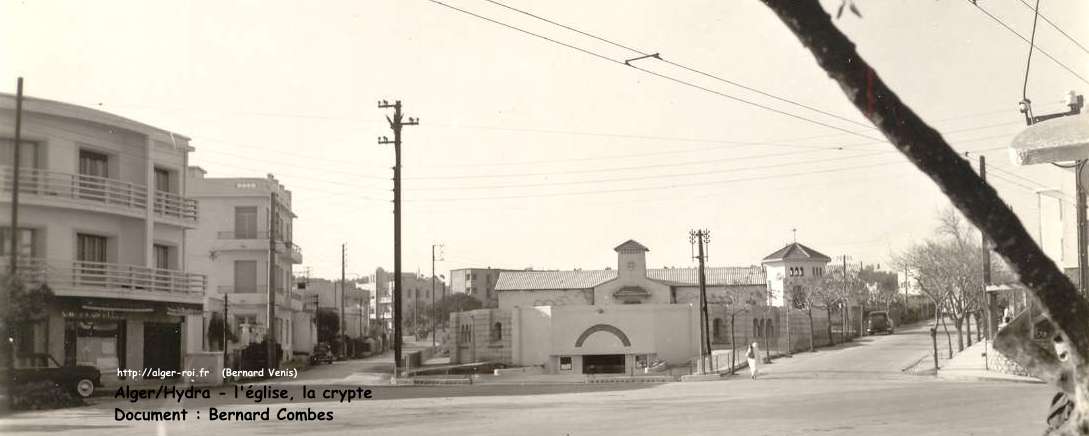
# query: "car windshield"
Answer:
x=878 y=317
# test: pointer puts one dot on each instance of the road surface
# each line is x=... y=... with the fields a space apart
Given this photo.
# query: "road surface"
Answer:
x=853 y=389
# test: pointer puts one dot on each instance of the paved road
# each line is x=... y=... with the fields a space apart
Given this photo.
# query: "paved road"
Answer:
x=856 y=389
x=881 y=356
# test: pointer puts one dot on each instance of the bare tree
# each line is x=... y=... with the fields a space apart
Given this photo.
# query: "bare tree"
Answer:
x=977 y=200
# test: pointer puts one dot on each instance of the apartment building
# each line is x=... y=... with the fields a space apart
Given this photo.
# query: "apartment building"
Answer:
x=103 y=217
x=478 y=283
x=231 y=246
x=356 y=300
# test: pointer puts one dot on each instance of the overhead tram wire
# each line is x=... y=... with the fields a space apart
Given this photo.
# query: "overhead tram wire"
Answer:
x=1055 y=26
x=680 y=81
x=1041 y=50
x=685 y=67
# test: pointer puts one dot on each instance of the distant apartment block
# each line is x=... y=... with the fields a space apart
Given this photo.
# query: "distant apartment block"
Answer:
x=478 y=283
x=231 y=246
x=103 y=217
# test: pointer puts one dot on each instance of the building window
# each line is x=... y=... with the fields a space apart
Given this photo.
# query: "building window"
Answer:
x=162 y=256
x=25 y=244
x=497 y=331
x=163 y=180
x=565 y=363
x=245 y=222
x=92 y=248
x=93 y=164
x=716 y=330
x=245 y=276
x=28 y=153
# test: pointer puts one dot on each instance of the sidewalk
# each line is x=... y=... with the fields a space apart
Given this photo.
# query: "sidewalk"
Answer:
x=971 y=365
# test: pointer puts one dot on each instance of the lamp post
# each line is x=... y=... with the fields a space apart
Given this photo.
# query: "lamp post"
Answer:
x=1054 y=138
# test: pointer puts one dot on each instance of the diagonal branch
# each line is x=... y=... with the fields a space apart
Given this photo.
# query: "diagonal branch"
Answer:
x=926 y=148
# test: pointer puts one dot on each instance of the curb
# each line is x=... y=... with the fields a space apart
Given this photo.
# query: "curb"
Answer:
x=945 y=375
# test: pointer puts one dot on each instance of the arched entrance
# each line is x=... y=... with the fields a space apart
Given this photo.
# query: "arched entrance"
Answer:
x=603 y=363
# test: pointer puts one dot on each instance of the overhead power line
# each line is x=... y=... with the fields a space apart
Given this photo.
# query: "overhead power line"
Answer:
x=671 y=78
x=685 y=67
x=1056 y=27
x=1023 y=38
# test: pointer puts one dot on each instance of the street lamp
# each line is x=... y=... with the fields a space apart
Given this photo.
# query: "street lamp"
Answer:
x=1055 y=138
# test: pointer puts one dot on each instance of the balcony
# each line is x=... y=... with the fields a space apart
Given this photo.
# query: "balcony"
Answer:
x=57 y=189
x=258 y=294
x=69 y=278
x=230 y=240
x=174 y=206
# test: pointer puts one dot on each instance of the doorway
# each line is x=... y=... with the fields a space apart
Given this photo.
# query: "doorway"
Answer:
x=162 y=346
x=603 y=364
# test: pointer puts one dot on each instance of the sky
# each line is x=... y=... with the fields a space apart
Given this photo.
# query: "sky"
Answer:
x=530 y=153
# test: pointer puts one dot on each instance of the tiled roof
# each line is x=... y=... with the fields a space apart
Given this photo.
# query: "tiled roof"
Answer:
x=533 y=280
x=716 y=276
x=631 y=245
x=797 y=251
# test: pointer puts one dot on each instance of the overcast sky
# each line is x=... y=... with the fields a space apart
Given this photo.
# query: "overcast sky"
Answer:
x=530 y=153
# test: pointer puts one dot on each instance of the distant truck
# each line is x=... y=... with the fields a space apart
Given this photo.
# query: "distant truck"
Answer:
x=878 y=321
x=77 y=379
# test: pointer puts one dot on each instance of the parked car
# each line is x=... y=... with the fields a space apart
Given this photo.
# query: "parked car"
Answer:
x=878 y=322
x=322 y=354
x=78 y=379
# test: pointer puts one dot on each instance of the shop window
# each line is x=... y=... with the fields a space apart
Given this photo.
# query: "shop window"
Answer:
x=100 y=344
x=565 y=363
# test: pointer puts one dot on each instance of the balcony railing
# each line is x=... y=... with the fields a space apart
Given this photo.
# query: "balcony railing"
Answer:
x=175 y=206
x=33 y=181
x=75 y=274
x=282 y=246
x=96 y=190
x=261 y=289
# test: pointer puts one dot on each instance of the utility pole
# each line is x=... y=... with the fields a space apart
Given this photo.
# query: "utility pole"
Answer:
x=226 y=325
x=986 y=244
x=434 y=312
x=702 y=237
x=343 y=334
x=846 y=301
x=9 y=328
x=1075 y=103
x=271 y=342
x=395 y=124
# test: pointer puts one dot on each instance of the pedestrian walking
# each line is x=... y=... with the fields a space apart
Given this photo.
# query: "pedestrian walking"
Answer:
x=751 y=355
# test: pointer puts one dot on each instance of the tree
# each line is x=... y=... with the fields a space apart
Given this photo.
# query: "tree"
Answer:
x=802 y=298
x=453 y=303
x=328 y=325
x=883 y=286
x=978 y=201
x=824 y=294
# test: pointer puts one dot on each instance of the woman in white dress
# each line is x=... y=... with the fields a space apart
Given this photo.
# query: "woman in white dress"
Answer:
x=752 y=355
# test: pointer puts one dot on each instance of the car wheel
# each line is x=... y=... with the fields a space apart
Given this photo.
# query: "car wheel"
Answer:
x=85 y=387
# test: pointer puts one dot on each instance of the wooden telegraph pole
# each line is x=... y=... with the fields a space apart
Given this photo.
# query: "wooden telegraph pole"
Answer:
x=395 y=124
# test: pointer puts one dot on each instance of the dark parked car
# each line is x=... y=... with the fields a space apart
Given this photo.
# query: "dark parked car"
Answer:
x=78 y=379
x=878 y=322
x=322 y=354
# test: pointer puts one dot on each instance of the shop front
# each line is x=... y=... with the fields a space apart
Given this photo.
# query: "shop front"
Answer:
x=119 y=334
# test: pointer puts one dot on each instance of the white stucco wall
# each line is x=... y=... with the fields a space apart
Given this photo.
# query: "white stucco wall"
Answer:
x=669 y=330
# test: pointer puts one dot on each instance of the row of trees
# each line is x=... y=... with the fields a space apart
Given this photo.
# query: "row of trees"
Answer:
x=839 y=288
x=948 y=269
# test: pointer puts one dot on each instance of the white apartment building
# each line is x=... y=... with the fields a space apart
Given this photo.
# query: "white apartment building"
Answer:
x=231 y=246
x=103 y=216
